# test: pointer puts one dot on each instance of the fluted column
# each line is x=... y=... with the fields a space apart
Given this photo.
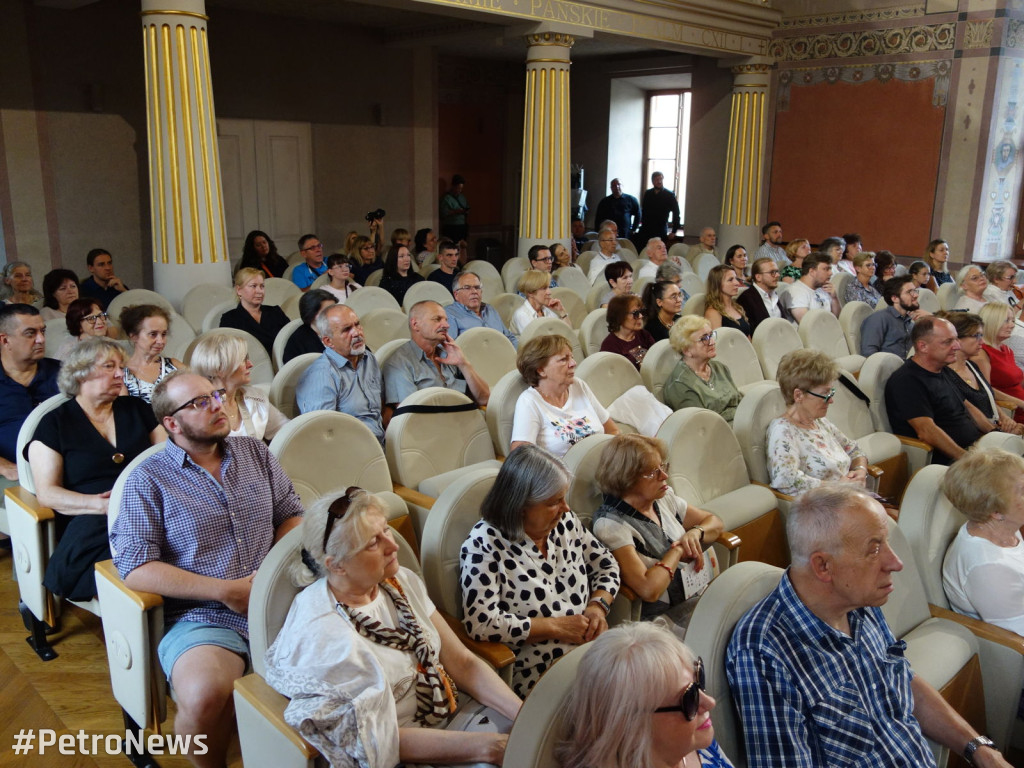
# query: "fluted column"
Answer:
x=189 y=238
x=744 y=166
x=544 y=203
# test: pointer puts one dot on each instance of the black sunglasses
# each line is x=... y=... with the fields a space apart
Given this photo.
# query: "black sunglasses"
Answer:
x=689 y=701
x=338 y=509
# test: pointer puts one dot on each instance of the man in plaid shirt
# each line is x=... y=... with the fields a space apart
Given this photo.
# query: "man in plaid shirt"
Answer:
x=196 y=521
x=818 y=677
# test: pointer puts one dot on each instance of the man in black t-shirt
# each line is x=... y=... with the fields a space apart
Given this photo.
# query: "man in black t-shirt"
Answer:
x=921 y=401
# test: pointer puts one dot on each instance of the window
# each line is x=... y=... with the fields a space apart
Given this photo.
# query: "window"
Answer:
x=667 y=140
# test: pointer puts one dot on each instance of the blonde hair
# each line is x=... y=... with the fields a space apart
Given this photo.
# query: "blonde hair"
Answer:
x=993 y=316
x=217 y=354
x=713 y=296
x=794 y=246
x=246 y=274
x=682 y=329
x=533 y=280
x=981 y=482
x=804 y=369
x=83 y=357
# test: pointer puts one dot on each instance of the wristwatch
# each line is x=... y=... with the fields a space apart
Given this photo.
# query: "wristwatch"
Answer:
x=972 y=747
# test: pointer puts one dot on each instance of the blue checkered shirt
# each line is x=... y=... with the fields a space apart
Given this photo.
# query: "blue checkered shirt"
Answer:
x=174 y=511
x=809 y=695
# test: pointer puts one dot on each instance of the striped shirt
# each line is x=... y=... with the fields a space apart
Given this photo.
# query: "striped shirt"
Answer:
x=809 y=695
x=173 y=511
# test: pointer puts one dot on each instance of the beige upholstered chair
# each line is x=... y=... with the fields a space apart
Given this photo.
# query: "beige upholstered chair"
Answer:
x=374 y=278
x=820 y=329
x=56 y=335
x=692 y=283
x=369 y=298
x=426 y=452
x=928 y=301
x=490 y=278
x=948 y=295
x=262 y=366
x=627 y=249
x=278 y=290
x=501 y=409
x=134 y=296
x=695 y=305
x=708 y=470
x=574 y=279
x=840 y=279
x=511 y=271
x=179 y=336
x=930 y=523
x=489 y=352
x=574 y=306
x=427 y=290
x=506 y=304
x=609 y=375
x=596 y=293
x=735 y=351
x=281 y=341
x=593 y=330
x=657 y=366
x=211 y=320
x=851 y=318
x=282 y=388
x=200 y=298
x=290 y=306
x=383 y=325
x=545 y=326
x=703 y=264
x=772 y=339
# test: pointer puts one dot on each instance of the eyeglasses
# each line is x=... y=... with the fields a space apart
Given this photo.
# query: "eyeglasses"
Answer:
x=828 y=397
x=689 y=701
x=93 y=319
x=772 y=272
x=708 y=338
x=202 y=402
x=317 y=247
x=470 y=288
x=546 y=259
x=368 y=247
x=338 y=509
x=636 y=314
x=869 y=264
x=975 y=336
x=661 y=469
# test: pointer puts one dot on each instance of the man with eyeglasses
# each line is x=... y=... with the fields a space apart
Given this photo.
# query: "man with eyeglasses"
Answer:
x=312 y=250
x=448 y=258
x=888 y=330
x=762 y=301
x=541 y=259
x=816 y=673
x=196 y=521
x=27 y=378
x=346 y=377
x=923 y=403
x=608 y=244
x=469 y=311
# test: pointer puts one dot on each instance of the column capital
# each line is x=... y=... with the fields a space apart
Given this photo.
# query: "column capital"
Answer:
x=550 y=38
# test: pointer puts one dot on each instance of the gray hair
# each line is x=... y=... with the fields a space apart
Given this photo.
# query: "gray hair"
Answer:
x=816 y=518
x=349 y=534
x=218 y=354
x=80 y=361
x=463 y=274
x=669 y=271
x=529 y=476
x=7 y=291
x=994 y=271
x=641 y=662
x=964 y=272
x=323 y=320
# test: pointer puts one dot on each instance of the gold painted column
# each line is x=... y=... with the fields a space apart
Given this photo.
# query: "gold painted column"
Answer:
x=742 y=194
x=189 y=238
x=544 y=202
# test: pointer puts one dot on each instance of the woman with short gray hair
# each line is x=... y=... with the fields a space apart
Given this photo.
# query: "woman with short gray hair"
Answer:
x=76 y=454
x=372 y=669
x=532 y=575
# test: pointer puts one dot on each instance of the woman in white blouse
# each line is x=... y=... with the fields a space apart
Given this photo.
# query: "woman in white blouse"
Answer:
x=983 y=573
x=536 y=287
x=372 y=669
x=557 y=411
x=805 y=449
x=225 y=357
x=532 y=575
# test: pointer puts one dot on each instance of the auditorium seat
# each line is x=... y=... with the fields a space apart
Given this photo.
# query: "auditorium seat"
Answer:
x=383 y=325
x=593 y=331
x=657 y=366
x=197 y=302
x=277 y=290
x=734 y=350
x=501 y=408
x=280 y=341
x=819 y=329
x=573 y=278
x=851 y=318
x=426 y=290
x=546 y=326
x=369 y=298
x=136 y=296
x=282 y=388
x=490 y=278
x=573 y=305
x=695 y=305
x=489 y=352
x=772 y=339
x=512 y=270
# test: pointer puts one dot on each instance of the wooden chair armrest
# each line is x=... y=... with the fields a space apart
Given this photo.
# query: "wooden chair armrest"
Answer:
x=410 y=496
x=982 y=629
x=144 y=600
x=1011 y=407
x=498 y=655
x=628 y=593
x=271 y=705
x=915 y=443
x=874 y=470
x=728 y=539
x=28 y=502
x=778 y=494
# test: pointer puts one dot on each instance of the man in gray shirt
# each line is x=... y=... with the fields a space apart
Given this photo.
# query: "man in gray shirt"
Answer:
x=346 y=376
x=888 y=330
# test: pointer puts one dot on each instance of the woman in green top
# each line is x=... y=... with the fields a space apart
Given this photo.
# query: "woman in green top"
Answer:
x=796 y=250
x=698 y=380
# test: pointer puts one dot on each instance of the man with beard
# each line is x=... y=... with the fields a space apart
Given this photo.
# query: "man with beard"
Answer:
x=761 y=301
x=772 y=248
x=196 y=521
x=346 y=376
x=430 y=358
x=888 y=330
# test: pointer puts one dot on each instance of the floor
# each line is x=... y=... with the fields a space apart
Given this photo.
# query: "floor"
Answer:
x=69 y=694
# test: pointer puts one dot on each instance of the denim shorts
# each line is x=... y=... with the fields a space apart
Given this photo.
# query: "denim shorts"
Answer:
x=185 y=635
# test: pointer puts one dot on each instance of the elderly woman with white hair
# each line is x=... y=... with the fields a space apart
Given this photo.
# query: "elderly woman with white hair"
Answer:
x=983 y=573
x=532 y=575
x=77 y=452
x=659 y=714
x=698 y=380
x=224 y=358
x=372 y=669
x=972 y=283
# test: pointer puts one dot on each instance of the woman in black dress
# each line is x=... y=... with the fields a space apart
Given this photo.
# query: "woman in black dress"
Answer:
x=722 y=309
x=663 y=301
x=76 y=454
x=251 y=316
x=399 y=276
x=259 y=252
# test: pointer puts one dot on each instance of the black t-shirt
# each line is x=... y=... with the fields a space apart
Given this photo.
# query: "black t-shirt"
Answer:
x=912 y=392
x=302 y=341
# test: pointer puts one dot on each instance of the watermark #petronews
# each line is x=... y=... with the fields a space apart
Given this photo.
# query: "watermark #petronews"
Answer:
x=30 y=741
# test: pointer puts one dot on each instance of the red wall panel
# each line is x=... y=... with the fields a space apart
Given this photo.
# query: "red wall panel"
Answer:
x=858 y=158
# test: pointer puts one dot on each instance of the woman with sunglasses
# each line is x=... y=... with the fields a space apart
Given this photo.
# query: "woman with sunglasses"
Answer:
x=648 y=528
x=626 y=333
x=373 y=671
x=805 y=449
x=661 y=715
x=698 y=380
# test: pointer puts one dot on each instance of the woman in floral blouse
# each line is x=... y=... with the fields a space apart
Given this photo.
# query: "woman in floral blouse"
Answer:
x=805 y=449
x=860 y=288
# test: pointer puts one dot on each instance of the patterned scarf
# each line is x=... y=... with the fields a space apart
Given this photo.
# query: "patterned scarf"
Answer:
x=436 y=694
